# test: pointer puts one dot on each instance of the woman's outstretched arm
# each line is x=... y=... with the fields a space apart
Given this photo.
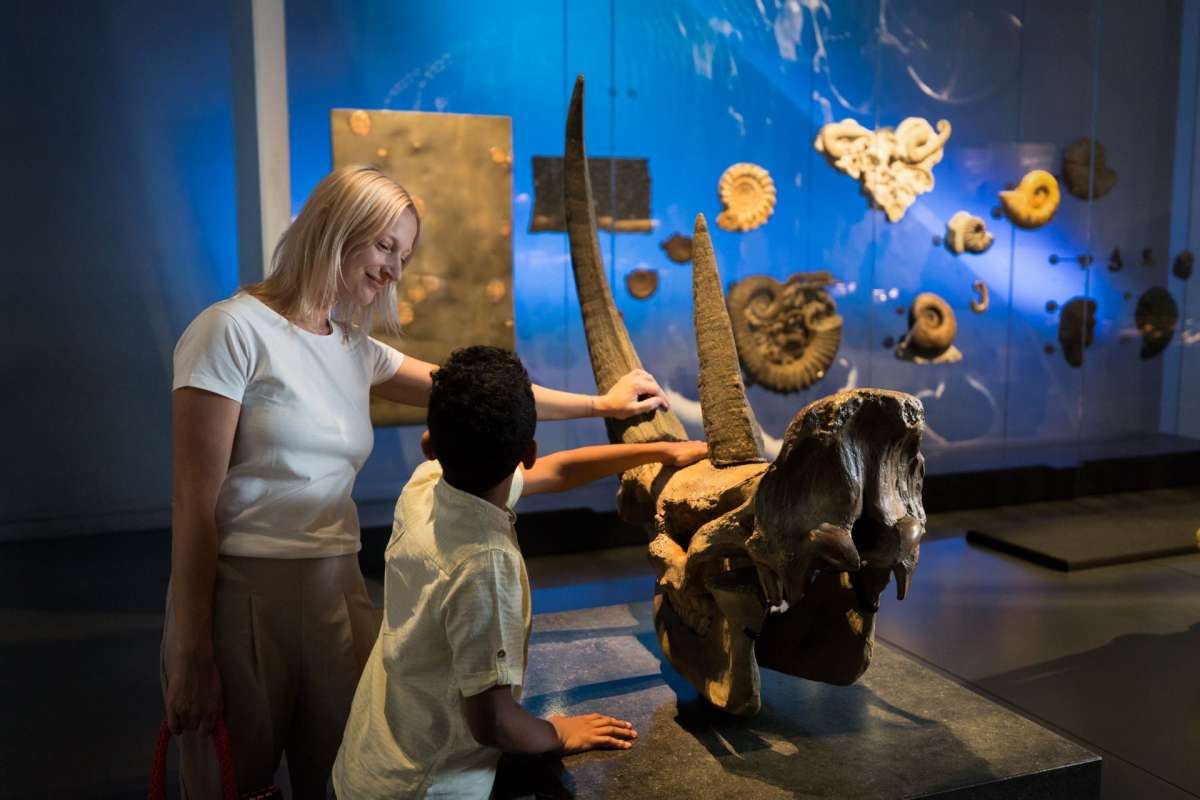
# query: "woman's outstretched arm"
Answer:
x=635 y=393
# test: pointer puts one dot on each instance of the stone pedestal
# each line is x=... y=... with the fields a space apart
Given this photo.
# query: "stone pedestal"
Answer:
x=903 y=731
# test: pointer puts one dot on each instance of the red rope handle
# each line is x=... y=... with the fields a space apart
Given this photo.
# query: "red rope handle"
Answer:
x=220 y=738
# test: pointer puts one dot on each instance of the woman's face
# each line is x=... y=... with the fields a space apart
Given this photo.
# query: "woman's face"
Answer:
x=368 y=270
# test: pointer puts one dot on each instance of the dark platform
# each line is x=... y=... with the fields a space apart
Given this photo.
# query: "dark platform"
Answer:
x=903 y=731
x=1098 y=531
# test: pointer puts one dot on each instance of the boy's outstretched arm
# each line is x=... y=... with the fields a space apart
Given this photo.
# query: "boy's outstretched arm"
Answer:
x=568 y=469
x=497 y=720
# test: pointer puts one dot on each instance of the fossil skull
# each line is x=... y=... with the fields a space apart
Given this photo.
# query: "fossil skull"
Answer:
x=778 y=564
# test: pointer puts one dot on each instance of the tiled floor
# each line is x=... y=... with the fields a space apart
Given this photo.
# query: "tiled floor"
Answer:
x=1109 y=657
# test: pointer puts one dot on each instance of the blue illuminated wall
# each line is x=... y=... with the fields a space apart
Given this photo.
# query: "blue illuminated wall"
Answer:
x=119 y=207
x=696 y=86
x=117 y=210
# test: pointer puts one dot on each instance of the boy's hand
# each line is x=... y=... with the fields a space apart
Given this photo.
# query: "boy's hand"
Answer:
x=680 y=454
x=592 y=732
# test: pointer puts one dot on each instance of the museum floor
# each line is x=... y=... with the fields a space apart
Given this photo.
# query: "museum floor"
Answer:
x=1107 y=657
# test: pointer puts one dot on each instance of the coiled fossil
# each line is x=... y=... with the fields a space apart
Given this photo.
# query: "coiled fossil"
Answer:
x=1033 y=203
x=932 y=327
x=787 y=334
x=748 y=194
x=1081 y=168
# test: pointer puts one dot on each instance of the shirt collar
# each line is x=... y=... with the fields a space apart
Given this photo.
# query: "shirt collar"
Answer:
x=490 y=513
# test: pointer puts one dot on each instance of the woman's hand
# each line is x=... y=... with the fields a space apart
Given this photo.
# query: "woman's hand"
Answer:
x=680 y=454
x=193 y=696
x=592 y=732
x=635 y=393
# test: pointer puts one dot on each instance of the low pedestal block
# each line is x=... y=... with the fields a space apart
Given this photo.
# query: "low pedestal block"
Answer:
x=902 y=731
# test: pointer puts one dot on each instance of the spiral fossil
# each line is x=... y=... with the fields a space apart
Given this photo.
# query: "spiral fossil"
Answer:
x=932 y=327
x=788 y=333
x=1086 y=176
x=1033 y=203
x=748 y=194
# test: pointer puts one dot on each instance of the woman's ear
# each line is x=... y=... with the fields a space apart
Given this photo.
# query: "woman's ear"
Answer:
x=427 y=446
x=530 y=456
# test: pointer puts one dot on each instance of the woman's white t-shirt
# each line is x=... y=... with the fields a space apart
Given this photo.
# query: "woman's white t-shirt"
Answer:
x=304 y=429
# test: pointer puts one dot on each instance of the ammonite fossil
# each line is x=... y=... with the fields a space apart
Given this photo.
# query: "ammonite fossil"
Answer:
x=932 y=327
x=787 y=334
x=967 y=232
x=642 y=283
x=1033 y=203
x=980 y=305
x=1077 y=170
x=1076 y=328
x=678 y=248
x=748 y=194
x=1185 y=262
x=1156 y=317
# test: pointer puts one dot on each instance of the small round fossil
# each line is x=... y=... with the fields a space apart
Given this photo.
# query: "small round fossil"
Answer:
x=495 y=290
x=678 y=248
x=642 y=283
x=360 y=122
x=748 y=194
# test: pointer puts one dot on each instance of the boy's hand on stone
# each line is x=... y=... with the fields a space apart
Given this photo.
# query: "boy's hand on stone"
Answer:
x=680 y=454
x=592 y=732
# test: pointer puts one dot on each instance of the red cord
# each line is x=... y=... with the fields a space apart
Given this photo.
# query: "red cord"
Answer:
x=220 y=738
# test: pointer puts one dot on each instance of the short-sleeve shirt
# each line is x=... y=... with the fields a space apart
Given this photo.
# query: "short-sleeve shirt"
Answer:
x=304 y=428
x=456 y=623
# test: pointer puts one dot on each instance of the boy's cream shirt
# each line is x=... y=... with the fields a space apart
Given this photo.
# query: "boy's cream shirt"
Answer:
x=456 y=622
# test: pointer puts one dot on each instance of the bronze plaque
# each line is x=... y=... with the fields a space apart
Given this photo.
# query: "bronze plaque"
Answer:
x=457 y=289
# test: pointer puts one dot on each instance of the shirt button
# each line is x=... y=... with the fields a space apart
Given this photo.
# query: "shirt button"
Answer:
x=500 y=654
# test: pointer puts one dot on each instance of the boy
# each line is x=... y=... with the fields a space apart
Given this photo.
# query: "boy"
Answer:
x=437 y=702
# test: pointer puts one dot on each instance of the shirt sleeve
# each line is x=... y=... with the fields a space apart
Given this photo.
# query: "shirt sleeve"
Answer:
x=385 y=360
x=214 y=354
x=485 y=623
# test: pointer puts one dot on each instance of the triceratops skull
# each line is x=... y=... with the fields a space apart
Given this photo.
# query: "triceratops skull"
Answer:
x=777 y=564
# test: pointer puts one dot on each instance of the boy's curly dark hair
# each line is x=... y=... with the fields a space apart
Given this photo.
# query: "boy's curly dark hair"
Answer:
x=481 y=416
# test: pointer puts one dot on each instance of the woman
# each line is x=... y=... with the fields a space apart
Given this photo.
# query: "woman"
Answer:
x=268 y=622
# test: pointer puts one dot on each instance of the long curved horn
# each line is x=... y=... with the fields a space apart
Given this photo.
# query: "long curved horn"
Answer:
x=608 y=342
x=729 y=424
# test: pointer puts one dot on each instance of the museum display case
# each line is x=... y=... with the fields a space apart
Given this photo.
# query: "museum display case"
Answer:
x=987 y=205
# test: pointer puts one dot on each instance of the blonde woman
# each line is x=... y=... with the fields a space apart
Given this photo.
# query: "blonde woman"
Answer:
x=268 y=623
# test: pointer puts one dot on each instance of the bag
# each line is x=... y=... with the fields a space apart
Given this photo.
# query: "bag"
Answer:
x=220 y=738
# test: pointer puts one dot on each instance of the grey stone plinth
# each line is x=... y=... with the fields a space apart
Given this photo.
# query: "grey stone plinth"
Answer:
x=903 y=731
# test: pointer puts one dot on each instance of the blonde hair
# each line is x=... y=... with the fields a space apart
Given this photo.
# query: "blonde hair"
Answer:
x=348 y=209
